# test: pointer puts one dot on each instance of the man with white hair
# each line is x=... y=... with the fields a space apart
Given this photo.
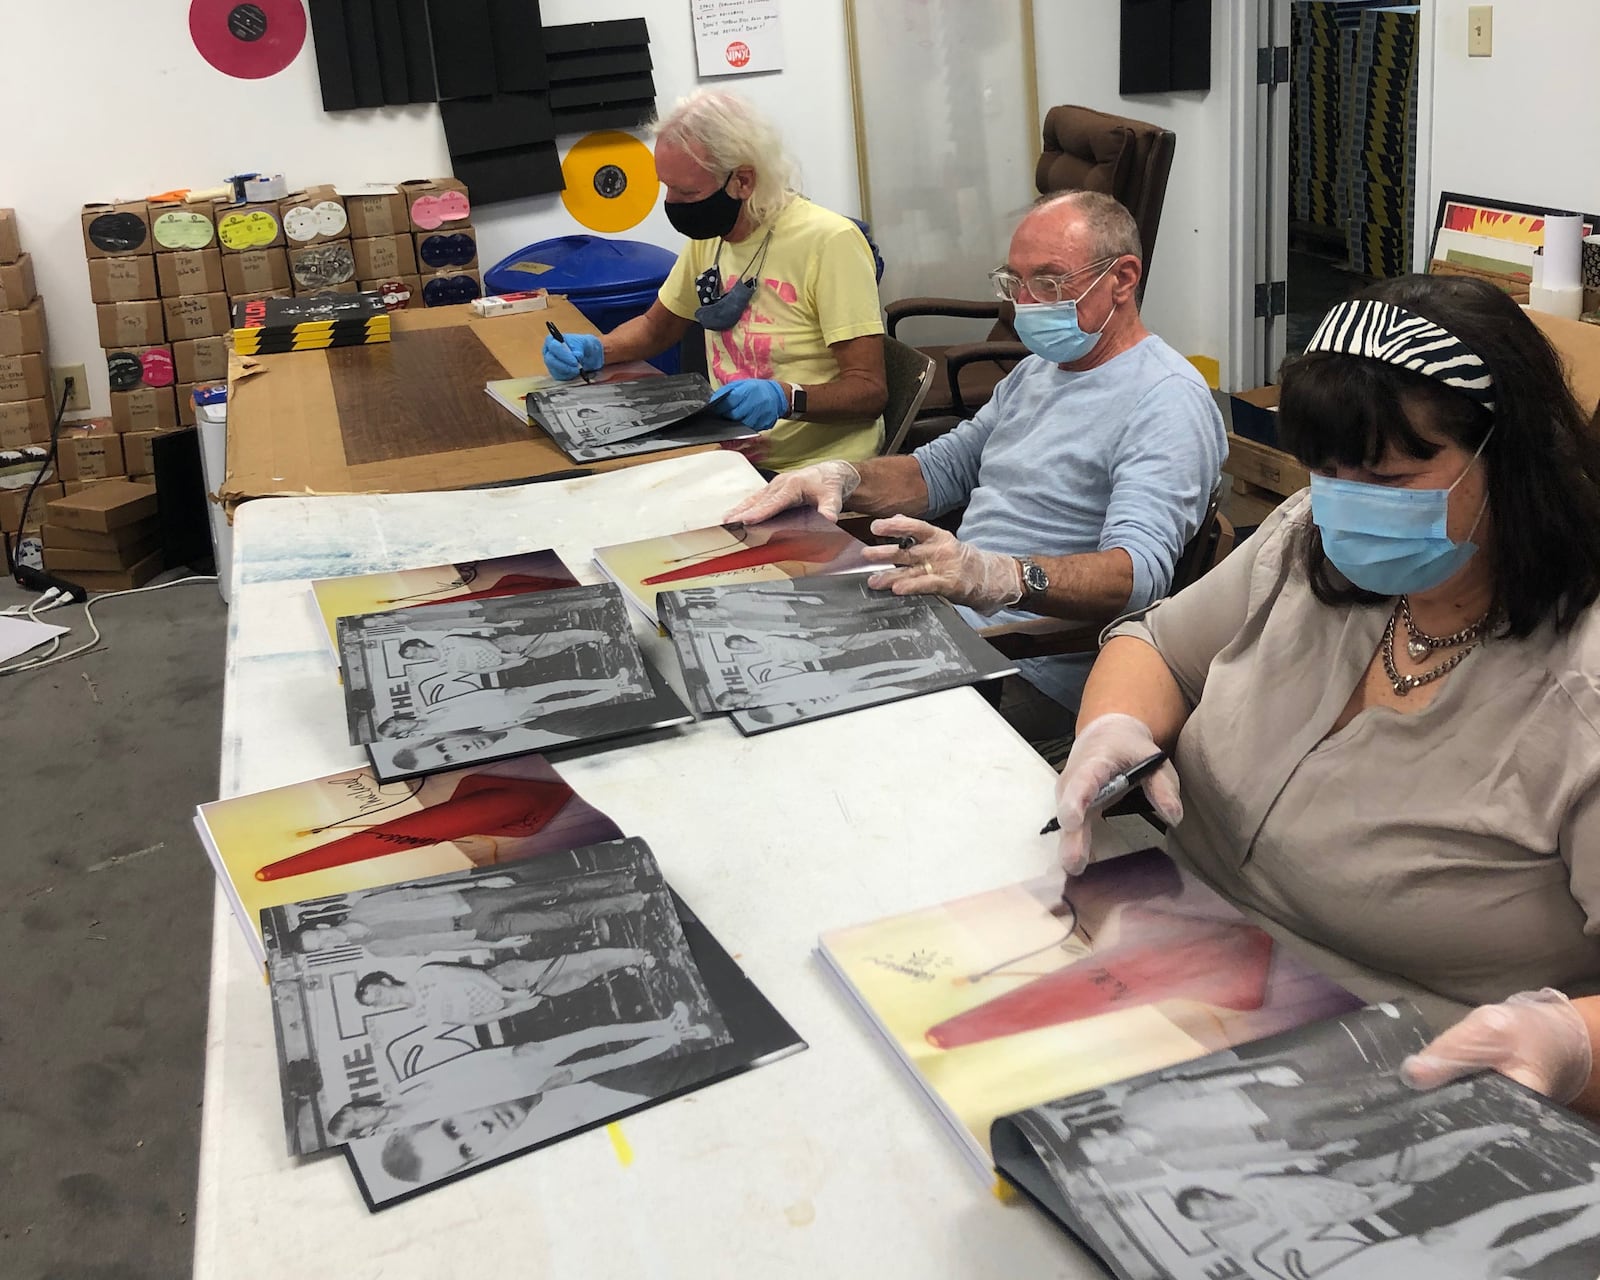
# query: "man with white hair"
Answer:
x=1083 y=477
x=785 y=290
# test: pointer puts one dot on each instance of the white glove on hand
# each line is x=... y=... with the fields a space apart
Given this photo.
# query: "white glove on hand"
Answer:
x=1535 y=1037
x=823 y=485
x=940 y=564
x=1104 y=747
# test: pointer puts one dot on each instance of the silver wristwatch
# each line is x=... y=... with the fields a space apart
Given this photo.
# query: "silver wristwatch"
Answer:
x=1035 y=581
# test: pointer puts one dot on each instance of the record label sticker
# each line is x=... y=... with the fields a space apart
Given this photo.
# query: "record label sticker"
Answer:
x=157 y=367
x=307 y=222
x=396 y=294
x=182 y=229
x=434 y=210
x=254 y=230
x=124 y=372
x=323 y=266
x=117 y=232
x=248 y=41
x=452 y=250
x=449 y=291
x=611 y=182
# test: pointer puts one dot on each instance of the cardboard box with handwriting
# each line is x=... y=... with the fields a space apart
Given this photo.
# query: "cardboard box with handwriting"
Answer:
x=190 y=272
x=147 y=409
x=130 y=324
x=23 y=331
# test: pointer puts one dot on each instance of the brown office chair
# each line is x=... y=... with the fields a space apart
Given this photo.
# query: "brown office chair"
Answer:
x=1083 y=150
x=1055 y=637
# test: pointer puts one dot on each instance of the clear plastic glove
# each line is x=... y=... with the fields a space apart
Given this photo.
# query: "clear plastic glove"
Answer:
x=1104 y=747
x=937 y=563
x=758 y=403
x=823 y=485
x=580 y=353
x=1535 y=1037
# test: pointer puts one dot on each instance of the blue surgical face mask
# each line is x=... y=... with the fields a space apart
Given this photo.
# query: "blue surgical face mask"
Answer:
x=1390 y=542
x=1050 y=329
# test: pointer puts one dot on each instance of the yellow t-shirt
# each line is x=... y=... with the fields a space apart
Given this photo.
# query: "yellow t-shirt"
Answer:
x=818 y=286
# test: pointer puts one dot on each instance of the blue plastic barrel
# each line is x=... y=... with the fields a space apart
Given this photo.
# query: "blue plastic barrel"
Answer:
x=608 y=280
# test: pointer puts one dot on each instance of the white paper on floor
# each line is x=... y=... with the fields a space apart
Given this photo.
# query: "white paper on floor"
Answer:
x=18 y=635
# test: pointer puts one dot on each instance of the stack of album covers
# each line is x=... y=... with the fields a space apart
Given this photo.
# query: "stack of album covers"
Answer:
x=441 y=1026
x=1304 y=1156
x=266 y=325
x=592 y=422
x=352 y=830
x=435 y=686
x=779 y=653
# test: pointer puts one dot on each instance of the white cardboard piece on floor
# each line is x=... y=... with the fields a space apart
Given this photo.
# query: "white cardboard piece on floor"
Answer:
x=18 y=635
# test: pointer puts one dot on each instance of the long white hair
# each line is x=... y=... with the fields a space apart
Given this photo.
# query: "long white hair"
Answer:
x=723 y=131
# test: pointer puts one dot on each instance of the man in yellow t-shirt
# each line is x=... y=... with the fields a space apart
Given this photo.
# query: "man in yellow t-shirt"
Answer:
x=785 y=290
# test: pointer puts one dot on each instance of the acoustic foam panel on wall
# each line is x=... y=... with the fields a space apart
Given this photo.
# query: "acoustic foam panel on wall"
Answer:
x=372 y=53
x=463 y=48
x=493 y=176
x=518 y=33
x=492 y=124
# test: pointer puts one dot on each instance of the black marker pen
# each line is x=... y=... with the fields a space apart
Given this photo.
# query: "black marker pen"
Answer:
x=562 y=338
x=1114 y=790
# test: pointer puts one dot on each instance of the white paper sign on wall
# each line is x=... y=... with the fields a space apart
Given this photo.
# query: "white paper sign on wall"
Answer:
x=737 y=37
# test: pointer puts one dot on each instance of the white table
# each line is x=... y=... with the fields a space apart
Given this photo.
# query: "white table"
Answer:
x=827 y=1164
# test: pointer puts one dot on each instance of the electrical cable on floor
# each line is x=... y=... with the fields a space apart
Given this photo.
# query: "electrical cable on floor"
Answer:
x=67 y=385
x=45 y=660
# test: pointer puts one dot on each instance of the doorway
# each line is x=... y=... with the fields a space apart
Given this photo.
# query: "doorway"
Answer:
x=1331 y=127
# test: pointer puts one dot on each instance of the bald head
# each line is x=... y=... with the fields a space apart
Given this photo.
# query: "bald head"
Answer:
x=1095 y=222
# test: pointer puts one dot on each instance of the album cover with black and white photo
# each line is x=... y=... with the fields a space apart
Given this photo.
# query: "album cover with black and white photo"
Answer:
x=758 y=1035
x=414 y=752
x=462 y=672
x=1303 y=1156
x=591 y=422
x=777 y=653
x=466 y=991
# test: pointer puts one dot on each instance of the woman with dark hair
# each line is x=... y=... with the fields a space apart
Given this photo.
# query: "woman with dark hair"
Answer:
x=1385 y=706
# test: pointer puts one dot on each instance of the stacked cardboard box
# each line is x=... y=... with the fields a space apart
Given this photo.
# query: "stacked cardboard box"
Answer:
x=106 y=537
x=126 y=290
x=444 y=243
x=317 y=230
x=385 y=254
x=25 y=408
x=194 y=292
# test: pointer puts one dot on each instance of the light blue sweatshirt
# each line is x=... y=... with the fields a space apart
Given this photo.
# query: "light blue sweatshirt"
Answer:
x=1057 y=463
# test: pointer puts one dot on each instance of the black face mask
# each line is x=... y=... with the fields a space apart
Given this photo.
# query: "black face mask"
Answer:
x=706 y=219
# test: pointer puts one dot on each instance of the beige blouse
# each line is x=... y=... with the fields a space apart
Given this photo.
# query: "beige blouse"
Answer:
x=1457 y=847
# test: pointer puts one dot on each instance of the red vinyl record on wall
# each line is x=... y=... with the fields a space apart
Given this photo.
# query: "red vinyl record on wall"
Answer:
x=250 y=40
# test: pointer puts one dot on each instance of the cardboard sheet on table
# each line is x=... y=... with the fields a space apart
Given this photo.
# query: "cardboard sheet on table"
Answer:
x=285 y=436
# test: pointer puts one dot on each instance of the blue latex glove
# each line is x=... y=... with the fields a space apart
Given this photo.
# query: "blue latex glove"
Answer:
x=756 y=402
x=581 y=351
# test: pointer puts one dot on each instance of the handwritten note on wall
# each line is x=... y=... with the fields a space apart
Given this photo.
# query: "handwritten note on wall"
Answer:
x=737 y=37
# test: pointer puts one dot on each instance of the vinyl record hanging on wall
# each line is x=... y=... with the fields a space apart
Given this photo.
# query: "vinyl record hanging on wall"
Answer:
x=611 y=181
x=248 y=41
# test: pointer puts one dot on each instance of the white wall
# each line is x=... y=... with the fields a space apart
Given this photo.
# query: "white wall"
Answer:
x=1187 y=298
x=116 y=107
x=1519 y=124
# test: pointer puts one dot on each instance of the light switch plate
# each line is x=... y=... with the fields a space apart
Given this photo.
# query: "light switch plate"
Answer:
x=1480 y=30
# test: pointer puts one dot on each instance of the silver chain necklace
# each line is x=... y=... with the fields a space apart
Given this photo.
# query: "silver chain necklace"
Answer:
x=1419 y=644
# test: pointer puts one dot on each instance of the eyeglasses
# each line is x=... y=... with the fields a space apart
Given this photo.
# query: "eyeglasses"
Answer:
x=1042 y=288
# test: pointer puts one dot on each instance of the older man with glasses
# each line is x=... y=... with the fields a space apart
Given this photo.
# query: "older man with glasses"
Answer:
x=1083 y=477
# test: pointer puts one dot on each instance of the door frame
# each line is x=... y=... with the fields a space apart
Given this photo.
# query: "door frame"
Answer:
x=1258 y=169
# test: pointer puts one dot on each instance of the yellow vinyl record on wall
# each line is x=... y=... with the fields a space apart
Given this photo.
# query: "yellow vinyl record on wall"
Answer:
x=611 y=181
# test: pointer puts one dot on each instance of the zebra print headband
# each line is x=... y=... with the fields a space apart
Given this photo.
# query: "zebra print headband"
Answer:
x=1383 y=331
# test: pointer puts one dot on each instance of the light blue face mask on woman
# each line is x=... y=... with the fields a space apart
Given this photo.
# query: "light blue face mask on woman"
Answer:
x=1051 y=330
x=1391 y=542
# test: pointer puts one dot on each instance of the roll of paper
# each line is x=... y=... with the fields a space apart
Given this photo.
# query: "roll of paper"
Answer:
x=1563 y=250
x=1567 y=303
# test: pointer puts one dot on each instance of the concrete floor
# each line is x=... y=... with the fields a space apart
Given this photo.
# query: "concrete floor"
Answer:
x=105 y=926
